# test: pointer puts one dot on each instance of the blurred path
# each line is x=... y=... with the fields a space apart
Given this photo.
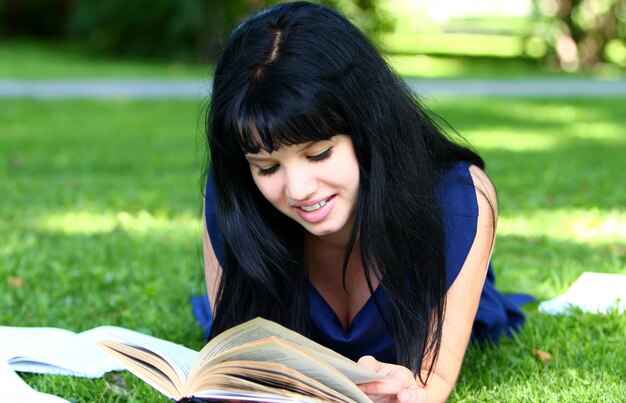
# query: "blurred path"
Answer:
x=103 y=88
x=192 y=89
x=536 y=87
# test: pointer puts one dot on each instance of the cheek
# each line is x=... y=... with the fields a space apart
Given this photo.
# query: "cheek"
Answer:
x=269 y=187
x=354 y=171
x=349 y=169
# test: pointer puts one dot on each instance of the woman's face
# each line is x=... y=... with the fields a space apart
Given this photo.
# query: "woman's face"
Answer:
x=315 y=183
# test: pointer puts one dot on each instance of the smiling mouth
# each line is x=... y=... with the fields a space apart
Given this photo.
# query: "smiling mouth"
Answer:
x=316 y=206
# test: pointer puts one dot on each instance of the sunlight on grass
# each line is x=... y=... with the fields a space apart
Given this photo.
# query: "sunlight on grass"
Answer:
x=590 y=226
x=454 y=43
x=27 y=60
x=426 y=66
x=582 y=122
x=429 y=66
x=520 y=126
x=86 y=223
x=551 y=113
x=504 y=139
x=612 y=132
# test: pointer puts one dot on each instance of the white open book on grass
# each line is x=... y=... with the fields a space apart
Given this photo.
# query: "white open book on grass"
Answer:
x=592 y=293
x=47 y=350
x=15 y=390
x=55 y=351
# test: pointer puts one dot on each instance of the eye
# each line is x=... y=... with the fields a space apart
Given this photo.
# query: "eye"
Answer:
x=267 y=171
x=321 y=156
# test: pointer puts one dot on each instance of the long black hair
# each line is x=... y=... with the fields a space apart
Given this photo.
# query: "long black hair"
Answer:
x=300 y=72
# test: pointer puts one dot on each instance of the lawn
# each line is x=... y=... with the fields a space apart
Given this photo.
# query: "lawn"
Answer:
x=557 y=165
x=48 y=60
x=39 y=60
x=100 y=224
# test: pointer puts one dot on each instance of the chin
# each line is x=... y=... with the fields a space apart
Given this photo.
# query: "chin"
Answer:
x=323 y=230
x=316 y=229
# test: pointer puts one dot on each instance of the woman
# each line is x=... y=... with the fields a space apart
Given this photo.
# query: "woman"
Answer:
x=338 y=208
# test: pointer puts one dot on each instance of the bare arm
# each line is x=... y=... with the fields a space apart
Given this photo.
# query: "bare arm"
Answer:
x=461 y=304
x=463 y=296
x=212 y=269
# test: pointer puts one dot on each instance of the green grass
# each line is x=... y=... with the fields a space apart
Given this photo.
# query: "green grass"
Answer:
x=100 y=223
x=557 y=166
x=41 y=60
x=455 y=44
x=100 y=210
x=430 y=66
x=37 y=60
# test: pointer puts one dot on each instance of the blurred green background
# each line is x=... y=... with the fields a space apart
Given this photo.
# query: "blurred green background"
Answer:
x=418 y=36
x=100 y=199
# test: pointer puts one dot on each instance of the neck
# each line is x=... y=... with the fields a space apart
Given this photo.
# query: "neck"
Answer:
x=332 y=242
x=325 y=256
x=326 y=248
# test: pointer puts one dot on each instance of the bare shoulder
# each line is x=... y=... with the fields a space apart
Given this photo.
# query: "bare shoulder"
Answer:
x=486 y=197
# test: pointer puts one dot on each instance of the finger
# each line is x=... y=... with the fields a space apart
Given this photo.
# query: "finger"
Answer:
x=401 y=373
x=412 y=395
x=389 y=386
x=392 y=370
x=370 y=362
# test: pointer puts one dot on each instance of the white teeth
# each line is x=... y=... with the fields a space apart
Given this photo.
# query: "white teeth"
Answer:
x=314 y=207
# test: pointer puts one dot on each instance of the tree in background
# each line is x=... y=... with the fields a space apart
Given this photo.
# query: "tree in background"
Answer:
x=584 y=34
x=176 y=29
x=569 y=34
x=144 y=28
x=33 y=18
x=222 y=16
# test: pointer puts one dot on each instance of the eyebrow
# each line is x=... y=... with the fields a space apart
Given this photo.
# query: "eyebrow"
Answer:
x=251 y=157
x=303 y=146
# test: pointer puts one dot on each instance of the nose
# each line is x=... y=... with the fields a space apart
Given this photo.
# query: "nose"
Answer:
x=299 y=184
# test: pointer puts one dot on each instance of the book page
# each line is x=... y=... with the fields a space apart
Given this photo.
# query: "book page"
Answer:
x=15 y=390
x=53 y=351
x=236 y=389
x=283 y=352
x=148 y=373
x=259 y=328
x=270 y=374
x=179 y=357
x=591 y=292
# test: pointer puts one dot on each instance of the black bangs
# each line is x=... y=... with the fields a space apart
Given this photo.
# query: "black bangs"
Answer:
x=268 y=123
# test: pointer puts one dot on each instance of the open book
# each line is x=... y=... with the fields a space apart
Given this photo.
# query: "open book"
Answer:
x=592 y=293
x=15 y=390
x=258 y=360
x=47 y=350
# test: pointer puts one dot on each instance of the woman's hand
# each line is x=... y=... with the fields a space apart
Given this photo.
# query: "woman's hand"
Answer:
x=400 y=387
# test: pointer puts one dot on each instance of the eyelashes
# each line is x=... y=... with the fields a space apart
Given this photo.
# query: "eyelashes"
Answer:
x=324 y=155
x=267 y=171
x=321 y=156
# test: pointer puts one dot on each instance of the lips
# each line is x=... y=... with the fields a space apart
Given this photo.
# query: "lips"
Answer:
x=316 y=212
x=316 y=206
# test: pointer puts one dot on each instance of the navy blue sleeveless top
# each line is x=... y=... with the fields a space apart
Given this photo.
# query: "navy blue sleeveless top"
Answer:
x=368 y=334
